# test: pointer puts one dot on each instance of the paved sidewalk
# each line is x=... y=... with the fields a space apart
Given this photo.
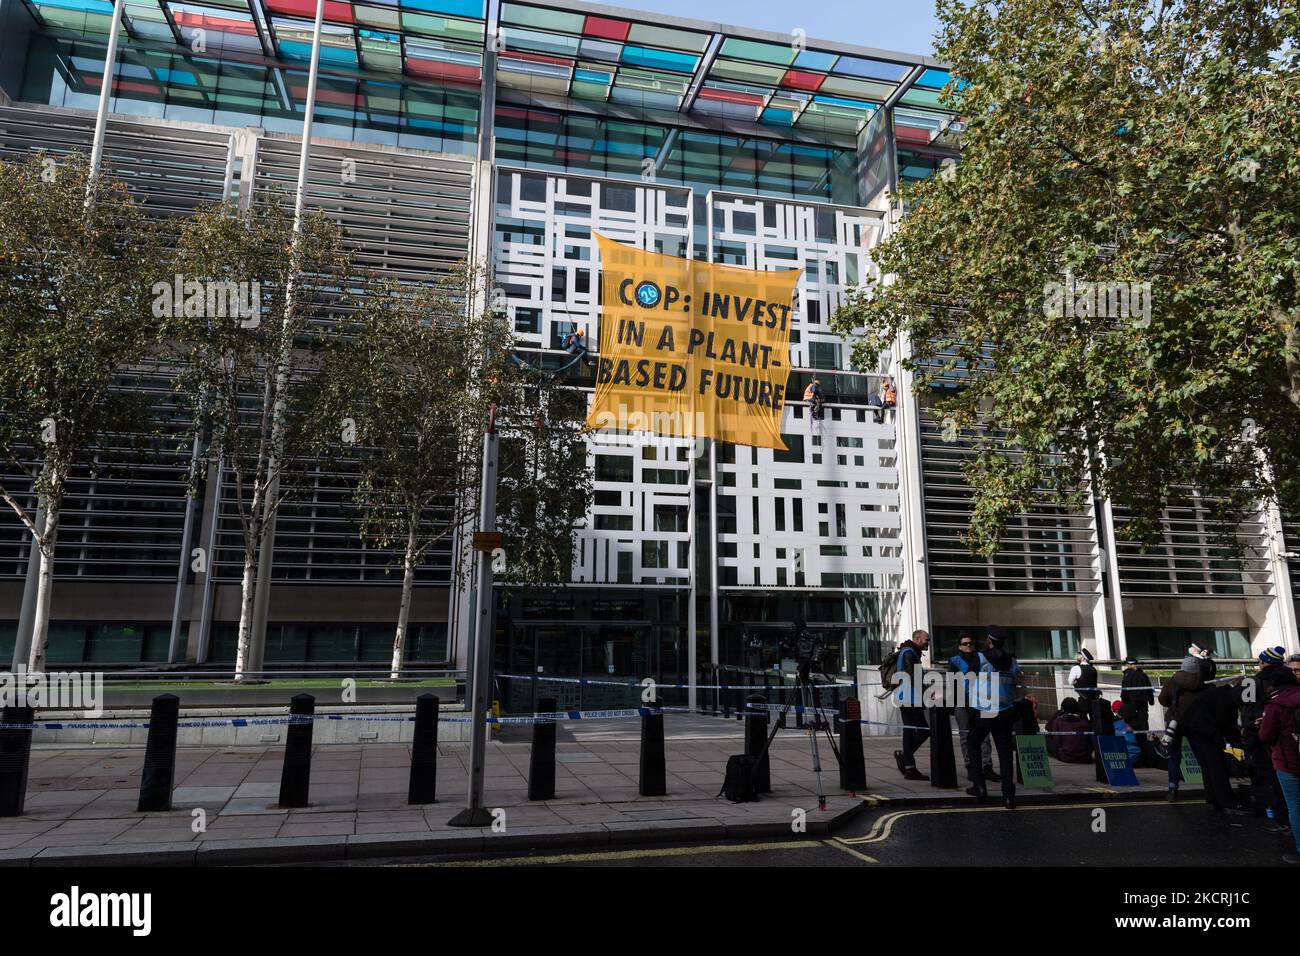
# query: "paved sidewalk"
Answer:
x=81 y=802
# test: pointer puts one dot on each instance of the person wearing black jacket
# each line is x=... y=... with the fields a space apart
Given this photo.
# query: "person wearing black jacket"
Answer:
x=1212 y=721
x=1083 y=678
x=1264 y=785
x=1137 y=693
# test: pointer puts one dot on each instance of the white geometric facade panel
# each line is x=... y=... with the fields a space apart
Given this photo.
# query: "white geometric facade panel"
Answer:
x=544 y=253
x=824 y=514
x=829 y=243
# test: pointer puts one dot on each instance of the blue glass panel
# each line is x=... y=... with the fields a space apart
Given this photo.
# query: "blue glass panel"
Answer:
x=837 y=101
x=934 y=79
x=777 y=117
x=457 y=8
x=592 y=76
x=815 y=60
x=659 y=59
x=336 y=56
x=82 y=6
x=176 y=76
x=871 y=69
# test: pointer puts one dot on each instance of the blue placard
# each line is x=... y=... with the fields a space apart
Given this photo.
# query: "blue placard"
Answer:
x=1117 y=761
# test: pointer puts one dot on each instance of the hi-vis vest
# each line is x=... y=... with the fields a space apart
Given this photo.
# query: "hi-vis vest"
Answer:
x=808 y=393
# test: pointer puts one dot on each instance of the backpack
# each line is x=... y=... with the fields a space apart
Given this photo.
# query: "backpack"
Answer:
x=738 y=786
x=888 y=670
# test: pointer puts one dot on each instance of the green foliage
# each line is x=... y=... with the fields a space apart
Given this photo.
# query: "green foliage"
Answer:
x=228 y=364
x=75 y=318
x=404 y=397
x=1119 y=141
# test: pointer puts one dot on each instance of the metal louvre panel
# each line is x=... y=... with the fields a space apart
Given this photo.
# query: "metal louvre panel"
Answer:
x=406 y=214
x=1192 y=559
x=170 y=167
x=317 y=539
x=1048 y=549
x=124 y=523
x=1291 y=540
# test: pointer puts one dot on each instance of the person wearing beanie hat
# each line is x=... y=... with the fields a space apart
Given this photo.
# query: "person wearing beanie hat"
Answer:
x=1273 y=655
x=1259 y=763
x=1176 y=696
x=1136 y=691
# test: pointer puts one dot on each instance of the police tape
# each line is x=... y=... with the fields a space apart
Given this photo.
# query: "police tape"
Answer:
x=658 y=685
x=292 y=719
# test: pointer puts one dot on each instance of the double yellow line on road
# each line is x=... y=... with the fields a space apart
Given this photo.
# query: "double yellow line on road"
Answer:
x=883 y=827
x=650 y=853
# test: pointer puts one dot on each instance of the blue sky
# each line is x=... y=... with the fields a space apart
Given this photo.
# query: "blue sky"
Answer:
x=904 y=25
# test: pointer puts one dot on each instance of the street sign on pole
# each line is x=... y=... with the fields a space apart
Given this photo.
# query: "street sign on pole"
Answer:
x=479 y=683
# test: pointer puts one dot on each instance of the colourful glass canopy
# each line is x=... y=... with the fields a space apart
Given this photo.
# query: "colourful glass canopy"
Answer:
x=559 y=50
x=565 y=50
x=440 y=40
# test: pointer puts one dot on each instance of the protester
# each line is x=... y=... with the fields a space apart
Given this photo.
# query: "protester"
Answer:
x=1123 y=713
x=1067 y=734
x=997 y=717
x=1206 y=660
x=967 y=660
x=1177 y=694
x=1279 y=729
x=1266 y=790
x=1136 y=691
x=816 y=400
x=1210 y=722
x=575 y=343
x=911 y=703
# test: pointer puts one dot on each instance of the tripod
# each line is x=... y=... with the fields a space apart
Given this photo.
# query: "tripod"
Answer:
x=809 y=699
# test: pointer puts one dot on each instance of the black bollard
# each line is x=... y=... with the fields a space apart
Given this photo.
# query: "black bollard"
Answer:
x=541 y=762
x=1028 y=721
x=755 y=740
x=1103 y=725
x=295 y=778
x=654 y=770
x=15 y=752
x=1028 y=726
x=160 y=755
x=943 y=763
x=424 y=752
x=853 y=767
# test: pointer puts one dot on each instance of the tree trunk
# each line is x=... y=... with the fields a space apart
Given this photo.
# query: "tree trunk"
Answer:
x=45 y=585
x=246 y=594
x=404 y=613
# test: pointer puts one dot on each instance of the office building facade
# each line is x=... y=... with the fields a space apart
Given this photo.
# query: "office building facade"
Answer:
x=447 y=130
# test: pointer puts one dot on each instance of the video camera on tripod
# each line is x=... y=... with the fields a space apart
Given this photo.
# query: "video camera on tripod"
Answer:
x=804 y=647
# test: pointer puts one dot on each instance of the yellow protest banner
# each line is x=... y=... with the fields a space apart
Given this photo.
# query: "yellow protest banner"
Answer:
x=691 y=349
